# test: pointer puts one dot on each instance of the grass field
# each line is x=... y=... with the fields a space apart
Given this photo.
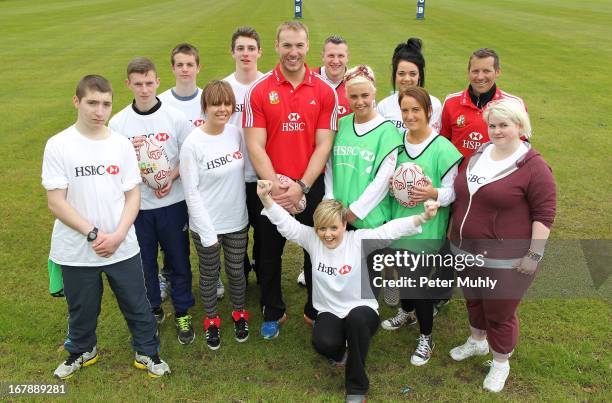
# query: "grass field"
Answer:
x=555 y=54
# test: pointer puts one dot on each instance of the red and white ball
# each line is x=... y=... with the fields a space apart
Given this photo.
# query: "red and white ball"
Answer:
x=301 y=205
x=153 y=163
x=405 y=177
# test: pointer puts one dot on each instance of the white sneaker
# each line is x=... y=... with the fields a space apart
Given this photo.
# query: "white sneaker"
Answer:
x=402 y=318
x=74 y=362
x=301 y=280
x=422 y=354
x=469 y=349
x=220 y=289
x=496 y=378
x=155 y=365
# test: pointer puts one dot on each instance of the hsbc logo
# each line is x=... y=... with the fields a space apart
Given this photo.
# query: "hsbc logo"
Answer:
x=197 y=122
x=346 y=269
x=341 y=110
x=367 y=155
x=475 y=136
x=96 y=170
x=294 y=125
x=221 y=161
x=162 y=136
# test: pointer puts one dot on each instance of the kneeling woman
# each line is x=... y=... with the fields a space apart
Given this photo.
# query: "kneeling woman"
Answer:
x=346 y=319
x=208 y=174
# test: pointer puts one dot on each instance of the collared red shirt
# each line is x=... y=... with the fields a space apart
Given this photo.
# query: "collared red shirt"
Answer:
x=343 y=105
x=291 y=117
x=462 y=121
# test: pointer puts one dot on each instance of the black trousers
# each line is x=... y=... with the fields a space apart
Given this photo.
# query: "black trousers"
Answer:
x=269 y=263
x=254 y=207
x=331 y=335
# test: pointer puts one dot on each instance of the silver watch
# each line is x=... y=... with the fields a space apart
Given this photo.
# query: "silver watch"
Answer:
x=536 y=257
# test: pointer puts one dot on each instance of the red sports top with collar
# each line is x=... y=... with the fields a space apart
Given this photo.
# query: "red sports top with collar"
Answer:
x=462 y=121
x=343 y=105
x=290 y=117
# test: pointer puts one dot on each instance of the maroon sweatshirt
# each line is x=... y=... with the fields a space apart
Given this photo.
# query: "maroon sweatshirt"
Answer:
x=505 y=208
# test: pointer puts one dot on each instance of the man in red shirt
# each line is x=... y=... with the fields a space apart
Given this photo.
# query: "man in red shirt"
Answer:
x=289 y=119
x=462 y=121
x=335 y=57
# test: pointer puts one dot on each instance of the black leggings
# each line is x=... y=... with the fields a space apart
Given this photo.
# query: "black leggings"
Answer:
x=424 y=312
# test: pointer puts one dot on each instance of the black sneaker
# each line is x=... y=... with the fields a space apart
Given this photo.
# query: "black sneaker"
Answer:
x=184 y=329
x=213 y=333
x=241 y=325
x=159 y=315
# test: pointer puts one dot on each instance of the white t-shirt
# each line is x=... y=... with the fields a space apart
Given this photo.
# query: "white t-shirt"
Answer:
x=95 y=174
x=485 y=169
x=212 y=168
x=169 y=127
x=240 y=91
x=336 y=273
x=389 y=108
x=190 y=106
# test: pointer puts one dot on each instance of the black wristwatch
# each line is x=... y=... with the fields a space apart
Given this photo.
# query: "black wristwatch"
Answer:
x=305 y=189
x=92 y=235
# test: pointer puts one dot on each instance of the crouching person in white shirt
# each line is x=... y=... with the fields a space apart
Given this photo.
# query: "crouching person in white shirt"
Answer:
x=91 y=176
x=347 y=320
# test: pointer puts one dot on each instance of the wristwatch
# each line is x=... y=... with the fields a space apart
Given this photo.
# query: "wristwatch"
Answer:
x=536 y=257
x=305 y=189
x=92 y=235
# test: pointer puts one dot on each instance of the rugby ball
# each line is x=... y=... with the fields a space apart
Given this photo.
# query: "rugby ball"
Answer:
x=301 y=205
x=153 y=163
x=405 y=177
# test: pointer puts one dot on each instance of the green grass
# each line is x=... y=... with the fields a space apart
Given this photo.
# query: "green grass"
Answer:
x=554 y=54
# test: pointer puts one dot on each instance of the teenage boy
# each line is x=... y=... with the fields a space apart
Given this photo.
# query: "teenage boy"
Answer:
x=335 y=57
x=162 y=219
x=462 y=121
x=185 y=96
x=91 y=176
x=289 y=121
x=246 y=50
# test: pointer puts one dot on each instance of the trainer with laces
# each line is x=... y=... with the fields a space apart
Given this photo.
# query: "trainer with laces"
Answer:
x=91 y=176
x=348 y=316
x=402 y=318
x=155 y=366
x=212 y=164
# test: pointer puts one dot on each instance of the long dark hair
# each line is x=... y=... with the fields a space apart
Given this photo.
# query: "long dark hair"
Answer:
x=409 y=51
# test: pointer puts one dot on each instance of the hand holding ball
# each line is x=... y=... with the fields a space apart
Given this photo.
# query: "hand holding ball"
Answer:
x=405 y=177
x=153 y=163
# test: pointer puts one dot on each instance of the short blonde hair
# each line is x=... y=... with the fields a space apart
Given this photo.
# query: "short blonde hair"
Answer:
x=512 y=110
x=326 y=213
x=360 y=74
x=292 y=26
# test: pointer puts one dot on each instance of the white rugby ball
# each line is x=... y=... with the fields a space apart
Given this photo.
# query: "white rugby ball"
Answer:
x=153 y=163
x=406 y=176
x=301 y=205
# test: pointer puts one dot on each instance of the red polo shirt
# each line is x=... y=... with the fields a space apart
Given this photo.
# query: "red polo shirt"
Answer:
x=462 y=121
x=290 y=117
x=343 y=105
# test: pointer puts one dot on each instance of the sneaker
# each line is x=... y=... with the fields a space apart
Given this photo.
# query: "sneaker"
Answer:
x=469 y=349
x=338 y=364
x=422 y=354
x=213 y=332
x=301 y=280
x=355 y=398
x=153 y=364
x=159 y=314
x=271 y=329
x=402 y=318
x=164 y=287
x=220 y=289
x=74 y=362
x=184 y=329
x=241 y=325
x=496 y=378
x=441 y=303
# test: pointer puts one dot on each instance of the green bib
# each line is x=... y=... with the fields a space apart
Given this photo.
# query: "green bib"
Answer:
x=355 y=162
x=435 y=160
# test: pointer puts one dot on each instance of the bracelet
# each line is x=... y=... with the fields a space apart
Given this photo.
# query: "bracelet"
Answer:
x=536 y=257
